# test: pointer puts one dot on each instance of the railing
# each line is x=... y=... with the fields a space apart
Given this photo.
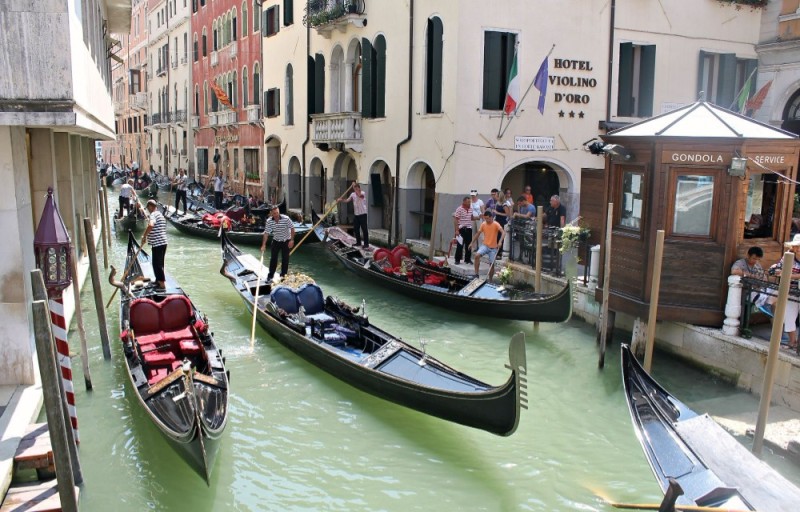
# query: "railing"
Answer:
x=195 y=121
x=338 y=128
x=213 y=118
x=161 y=71
x=253 y=113
x=325 y=15
x=234 y=49
x=214 y=58
x=138 y=101
x=178 y=116
x=228 y=117
x=156 y=118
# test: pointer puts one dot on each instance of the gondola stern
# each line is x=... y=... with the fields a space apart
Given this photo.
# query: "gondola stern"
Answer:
x=518 y=364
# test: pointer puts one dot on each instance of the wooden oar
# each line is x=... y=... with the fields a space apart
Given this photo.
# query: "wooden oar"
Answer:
x=127 y=270
x=255 y=302
x=688 y=508
x=335 y=203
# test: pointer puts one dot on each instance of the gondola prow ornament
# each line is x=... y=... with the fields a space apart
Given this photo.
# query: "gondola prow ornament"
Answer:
x=52 y=250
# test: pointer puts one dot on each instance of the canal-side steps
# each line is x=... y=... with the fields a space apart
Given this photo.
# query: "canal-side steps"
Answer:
x=33 y=485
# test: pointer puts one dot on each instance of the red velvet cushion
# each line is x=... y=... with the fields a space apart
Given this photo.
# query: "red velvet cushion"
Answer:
x=177 y=334
x=160 y=358
x=398 y=253
x=176 y=312
x=144 y=317
x=380 y=254
x=150 y=339
x=190 y=347
x=156 y=374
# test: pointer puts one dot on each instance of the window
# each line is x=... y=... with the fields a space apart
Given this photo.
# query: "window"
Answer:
x=694 y=205
x=311 y=69
x=272 y=102
x=433 y=67
x=202 y=160
x=721 y=76
x=205 y=43
x=632 y=200
x=289 y=88
x=202 y=3
x=271 y=24
x=195 y=50
x=205 y=97
x=373 y=78
x=185 y=46
x=319 y=84
x=760 y=208
x=637 y=68
x=234 y=26
x=214 y=36
x=134 y=82
x=498 y=56
x=197 y=100
x=257 y=15
x=245 y=95
x=288 y=13
x=244 y=19
x=256 y=84
x=194 y=6
x=251 y=165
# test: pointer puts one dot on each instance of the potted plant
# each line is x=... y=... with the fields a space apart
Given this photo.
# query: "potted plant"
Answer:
x=571 y=235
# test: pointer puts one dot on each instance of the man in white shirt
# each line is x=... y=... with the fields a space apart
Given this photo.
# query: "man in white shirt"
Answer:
x=477 y=207
x=126 y=193
x=180 y=183
x=219 y=185
x=359 y=200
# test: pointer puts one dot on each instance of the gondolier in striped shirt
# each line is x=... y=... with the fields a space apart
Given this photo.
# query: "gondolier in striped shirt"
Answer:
x=359 y=200
x=281 y=228
x=180 y=183
x=462 y=222
x=156 y=236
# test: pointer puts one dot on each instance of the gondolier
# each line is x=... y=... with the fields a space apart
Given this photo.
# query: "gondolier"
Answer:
x=219 y=187
x=156 y=235
x=180 y=183
x=359 y=200
x=126 y=193
x=462 y=222
x=281 y=228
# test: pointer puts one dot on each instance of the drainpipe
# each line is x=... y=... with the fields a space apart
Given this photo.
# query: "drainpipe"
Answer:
x=308 y=125
x=610 y=59
x=410 y=130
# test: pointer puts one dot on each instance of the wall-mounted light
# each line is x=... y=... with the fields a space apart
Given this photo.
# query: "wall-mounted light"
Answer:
x=738 y=166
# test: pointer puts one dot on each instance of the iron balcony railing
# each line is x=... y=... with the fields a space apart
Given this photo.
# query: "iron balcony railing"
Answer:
x=253 y=113
x=156 y=118
x=178 y=116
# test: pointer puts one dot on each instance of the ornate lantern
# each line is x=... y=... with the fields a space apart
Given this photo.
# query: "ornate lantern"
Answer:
x=51 y=247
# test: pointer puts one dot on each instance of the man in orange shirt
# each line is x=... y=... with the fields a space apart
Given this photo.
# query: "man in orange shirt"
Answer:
x=493 y=235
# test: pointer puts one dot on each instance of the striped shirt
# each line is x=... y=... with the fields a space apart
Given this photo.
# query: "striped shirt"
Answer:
x=181 y=182
x=359 y=203
x=464 y=216
x=281 y=230
x=158 y=235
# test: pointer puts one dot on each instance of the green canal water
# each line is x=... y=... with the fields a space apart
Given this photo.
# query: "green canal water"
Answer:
x=299 y=439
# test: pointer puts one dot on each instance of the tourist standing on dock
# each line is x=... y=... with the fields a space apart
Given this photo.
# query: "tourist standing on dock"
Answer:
x=462 y=222
x=180 y=190
x=477 y=207
x=359 y=200
x=156 y=236
x=556 y=213
x=281 y=228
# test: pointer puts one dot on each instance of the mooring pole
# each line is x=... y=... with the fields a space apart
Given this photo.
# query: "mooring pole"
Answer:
x=76 y=294
x=103 y=229
x=108 y=218
x=537 y=283
x=433 y=224
x=606 y=287
x=655 y=289
x=98 y=293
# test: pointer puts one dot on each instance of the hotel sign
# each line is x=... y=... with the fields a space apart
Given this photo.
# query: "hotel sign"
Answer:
x=530 y=143
x=696 y=158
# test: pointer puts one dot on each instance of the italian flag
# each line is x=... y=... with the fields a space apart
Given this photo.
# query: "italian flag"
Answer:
x=512 y=94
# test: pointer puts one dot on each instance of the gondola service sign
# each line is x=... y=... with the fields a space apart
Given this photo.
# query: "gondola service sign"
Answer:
x=531 y=143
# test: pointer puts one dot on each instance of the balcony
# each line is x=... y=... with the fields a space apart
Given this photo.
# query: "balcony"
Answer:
x=178 y=117
x=338 y=130
x=155 y=119
x=138 y=101
x=253 y=113
x=213 y=118
x=196 y=122
x=234 y=49
x=119 y=106
x=327 y=15
x=228 y=117
x=214 y=58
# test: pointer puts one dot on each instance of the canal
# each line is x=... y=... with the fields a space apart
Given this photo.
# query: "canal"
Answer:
x=299 y=439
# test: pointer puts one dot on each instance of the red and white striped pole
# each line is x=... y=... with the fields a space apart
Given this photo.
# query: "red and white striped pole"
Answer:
x=62 y=348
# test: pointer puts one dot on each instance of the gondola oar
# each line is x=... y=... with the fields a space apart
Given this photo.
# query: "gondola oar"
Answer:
x=255 y=302
x=335 y=203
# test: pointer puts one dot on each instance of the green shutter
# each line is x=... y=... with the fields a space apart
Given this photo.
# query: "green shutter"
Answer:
x=647 y=75
x=380 y=76
x=276 y=19
x=433 y=86
x=367 y=66
x=311 y=65
x=288 y=13
x=265 y=23
x=319 y=84
x=726 y=80
x=277 y=100
x=625 y=80
x=492 y=71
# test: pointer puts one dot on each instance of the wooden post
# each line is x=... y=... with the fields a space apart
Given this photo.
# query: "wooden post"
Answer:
x=56 y=423
x=108 y=218
x=40 y=294
x=606 y=287
x=433 y=223
x=98 y=293
x=774 y=348
x=76 y=294
x=103 y=229
x=655 y=289
x=537 y=283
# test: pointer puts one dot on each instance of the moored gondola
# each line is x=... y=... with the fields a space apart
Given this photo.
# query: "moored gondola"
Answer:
x=342 y=341
x=175 y=368
x=134 y=220
x=442 y=286
x=713 y=469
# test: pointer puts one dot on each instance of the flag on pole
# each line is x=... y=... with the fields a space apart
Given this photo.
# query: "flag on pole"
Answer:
x=221 y=96
x=744 y=94
x=758 y=98
x=512 y=93
x=540 y=82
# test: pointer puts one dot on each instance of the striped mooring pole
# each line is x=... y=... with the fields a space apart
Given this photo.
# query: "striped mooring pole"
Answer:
x=62 y=348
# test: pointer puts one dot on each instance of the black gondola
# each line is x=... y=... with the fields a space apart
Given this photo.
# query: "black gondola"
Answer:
x=174 y=366
x=192 y=224
x=341 y=341
x=134 y=220
x=467 y=294
x=712 y=468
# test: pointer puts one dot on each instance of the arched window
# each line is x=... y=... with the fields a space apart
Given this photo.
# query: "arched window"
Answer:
x=244 y=18
x=289 y=96
x=433 y=66
x=185 y=46
x=205 y=42
x=256 y=19
x=196 y=100
x=256 y=84
x=195 y=49
x=214 y=35
x=233 y=25
x=235 y=89
x=245 y=94
x=205 y=97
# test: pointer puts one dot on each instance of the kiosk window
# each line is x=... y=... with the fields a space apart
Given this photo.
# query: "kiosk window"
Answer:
x=759 y=214
x=632 y=199
x=694 y=204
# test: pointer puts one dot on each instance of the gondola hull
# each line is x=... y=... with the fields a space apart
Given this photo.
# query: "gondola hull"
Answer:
x=188 y=398
x=396 y=371
x=129 y=223
x=193 y=225
x=712 y=468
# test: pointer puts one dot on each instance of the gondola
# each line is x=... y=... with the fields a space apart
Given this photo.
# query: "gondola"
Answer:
x=443 y=287
x=175 y=368
x=192 y=224
x=342 y=341
x=135 y=220
x=712 y=468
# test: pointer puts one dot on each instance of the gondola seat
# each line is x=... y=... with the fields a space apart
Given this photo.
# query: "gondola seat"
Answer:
x=313 y=301
x=286 y=299
x=168 y=321
x=190 y=347
x=176 y=318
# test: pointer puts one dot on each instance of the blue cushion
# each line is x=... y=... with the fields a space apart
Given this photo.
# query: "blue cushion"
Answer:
x=311 y=298
x=285 y=298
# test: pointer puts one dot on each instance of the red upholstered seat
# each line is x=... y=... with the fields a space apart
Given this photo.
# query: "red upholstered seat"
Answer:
x=177 y=335
x=397 y=254
x=150 y=339
x=189 y=347
x=176 y=312
x=144 y=317
x=159 y=358
x=381 y=254
x=156 y=374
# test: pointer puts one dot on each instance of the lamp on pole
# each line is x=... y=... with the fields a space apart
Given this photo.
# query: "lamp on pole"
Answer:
x=52 y=250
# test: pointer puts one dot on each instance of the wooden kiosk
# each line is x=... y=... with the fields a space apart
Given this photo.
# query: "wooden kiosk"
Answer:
x=717 y=183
